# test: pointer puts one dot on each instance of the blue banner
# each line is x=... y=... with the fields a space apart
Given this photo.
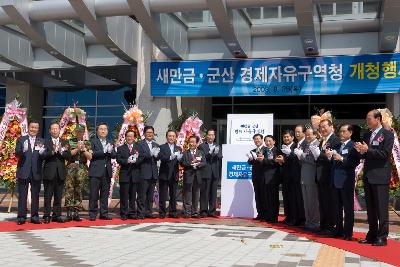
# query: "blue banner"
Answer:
x=238 y=170
x=363 y=74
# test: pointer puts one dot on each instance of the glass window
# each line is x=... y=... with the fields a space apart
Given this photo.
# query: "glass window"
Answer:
x=370 y=7
x=254 y=13
x=67 y=98
x=326 y=9
x=110 y=111
x=270 y=12
x=113 y=97
x=2 y=99
x=344 y=8
x=287 y=11
x=193 y=16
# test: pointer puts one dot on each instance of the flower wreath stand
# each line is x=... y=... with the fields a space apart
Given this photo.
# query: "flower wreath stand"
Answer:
x=13 y=125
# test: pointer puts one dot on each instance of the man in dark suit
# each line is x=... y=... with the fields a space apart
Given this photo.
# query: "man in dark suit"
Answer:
x=345 y=160
x=291 y=173
x=30 y=149
x=376 y=149
x=271 y=185
x=258 y=177
x=130 y=182
x=170 y=156
x=211 y=175
x=54 y=173
x=148 y=157
x=100 y=172
x=193 y=161
x=326 y=192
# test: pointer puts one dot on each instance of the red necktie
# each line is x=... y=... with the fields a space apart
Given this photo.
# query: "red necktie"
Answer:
x=130 y=149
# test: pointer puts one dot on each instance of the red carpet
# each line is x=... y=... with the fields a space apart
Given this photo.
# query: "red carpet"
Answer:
x=11 y=226
x=389 y=254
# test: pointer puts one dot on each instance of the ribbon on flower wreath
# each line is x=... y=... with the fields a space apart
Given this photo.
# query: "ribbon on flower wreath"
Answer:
x=13 y=111
x=13 y=125
x=73 y=115
x=190 y=127
x=134 y=119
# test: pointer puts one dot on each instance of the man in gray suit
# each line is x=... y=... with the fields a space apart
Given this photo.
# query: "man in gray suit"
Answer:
x=309 y=187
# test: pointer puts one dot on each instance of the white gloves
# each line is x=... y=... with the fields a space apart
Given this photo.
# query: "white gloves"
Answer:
x=172 y=157
x=41 y=150
x=315 y=151
x=26 y=146
x=216 y=150
x=178 y=155
x=154 y=151
x=286 y=150
x=109 y=148
x=250 y=156
x=298 y=152
x=132 y=159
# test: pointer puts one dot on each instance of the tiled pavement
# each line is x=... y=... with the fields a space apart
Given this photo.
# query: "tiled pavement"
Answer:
x=170 y=244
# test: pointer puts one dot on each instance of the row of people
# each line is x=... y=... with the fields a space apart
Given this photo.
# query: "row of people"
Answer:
x=63 y=164
x=318 y=178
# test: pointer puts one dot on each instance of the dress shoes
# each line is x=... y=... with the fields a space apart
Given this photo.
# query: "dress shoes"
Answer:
x=106 y=217
x=173 y=215
x=347 y=238
x=132 y=217
x=20 y=221
x=365 y=241
x=149 y=216
x=58 y=219
x=380 y=242
x=124 y=218
x=46 y=220
x=76 y=217
x=161 y=216
x=35 y=220
x=203 y=215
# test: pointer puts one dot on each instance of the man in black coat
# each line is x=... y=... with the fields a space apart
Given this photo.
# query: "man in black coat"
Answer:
x=54 y=173
x=345 y=160
x=258 y=177
x=100 y=172
x=130 y=182
x=170 y=156
x=211 y=175
x=376 y=149
x=148 y=157
x=291 y=173
x=193 y=161
x=30 y=150
x=326 y=192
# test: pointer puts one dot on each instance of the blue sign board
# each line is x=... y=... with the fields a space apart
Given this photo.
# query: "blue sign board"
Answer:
x=238 y=170
x=363 y=74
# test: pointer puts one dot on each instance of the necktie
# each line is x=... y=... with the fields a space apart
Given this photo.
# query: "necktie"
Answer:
x=342 y=146
x=32 y=141
x=130 y=149
x=372 y=137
